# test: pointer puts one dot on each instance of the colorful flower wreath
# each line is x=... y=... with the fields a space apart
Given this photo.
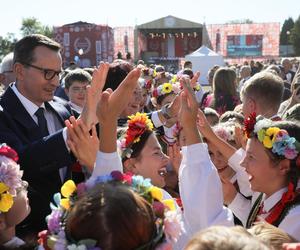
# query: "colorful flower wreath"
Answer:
x=137 y=125
x=165 y=89
x=272 y=137
x=168 y=217
x=10 y=177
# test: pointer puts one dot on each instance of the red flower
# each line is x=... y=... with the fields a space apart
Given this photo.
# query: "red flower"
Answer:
x=148 y=84
x=155 y=93
x=249 y=124
x=43 y=239
x=9 y=152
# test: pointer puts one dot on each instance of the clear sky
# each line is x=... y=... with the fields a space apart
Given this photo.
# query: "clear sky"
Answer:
x=129 y=12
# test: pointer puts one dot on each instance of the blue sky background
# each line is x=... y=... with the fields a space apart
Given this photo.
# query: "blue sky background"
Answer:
x=128 y=13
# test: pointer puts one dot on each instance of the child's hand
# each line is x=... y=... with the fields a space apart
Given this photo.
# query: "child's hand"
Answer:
x=239 y=137
x=83 y=145
x=203 y=125
x=116 y=101
x=93 y=93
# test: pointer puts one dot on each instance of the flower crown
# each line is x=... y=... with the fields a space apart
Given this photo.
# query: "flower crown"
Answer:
x=146 y=84
x=168 y=219
x=273 y=138
x=10 y=177
x=137 y=125
x=165 y=89
x=225 y=130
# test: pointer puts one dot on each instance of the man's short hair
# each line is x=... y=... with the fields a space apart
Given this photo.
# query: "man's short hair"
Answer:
x=24 y=48
x=7 y=63
x=265 y=88
x=79 y=75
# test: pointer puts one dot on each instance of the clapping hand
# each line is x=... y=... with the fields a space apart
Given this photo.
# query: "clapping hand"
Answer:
x=83 y=144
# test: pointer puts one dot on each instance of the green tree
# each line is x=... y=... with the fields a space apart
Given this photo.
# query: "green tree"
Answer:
x=286 y=31
x=295 y=36
x=7 y=44
x=31 y=25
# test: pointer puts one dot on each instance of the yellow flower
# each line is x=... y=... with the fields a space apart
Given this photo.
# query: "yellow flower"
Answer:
x=169 y=203
x=68 y=188
x=156 y=193
x=272 y=132
x=65 y=203
x=267 y=142
x=6 y=199
x=167 y=88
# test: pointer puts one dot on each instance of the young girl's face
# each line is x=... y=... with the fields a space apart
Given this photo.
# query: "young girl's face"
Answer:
x=20 y=209
x=220 y=162
x=263 y=173
x=152 y=162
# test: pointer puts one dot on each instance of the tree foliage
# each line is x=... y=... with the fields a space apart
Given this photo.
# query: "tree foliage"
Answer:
x=32 y=26
x=286 y=28
x=29 y=26
x=295 y=37
x=7 y=44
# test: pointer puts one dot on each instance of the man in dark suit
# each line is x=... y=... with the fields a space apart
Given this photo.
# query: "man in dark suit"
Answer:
x=32 y=123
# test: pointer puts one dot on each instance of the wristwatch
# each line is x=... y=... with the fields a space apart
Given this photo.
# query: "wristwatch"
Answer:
x=165 y=111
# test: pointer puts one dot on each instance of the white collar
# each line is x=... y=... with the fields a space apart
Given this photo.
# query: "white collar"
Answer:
x=28 y=105
x=270 y=202
x=77 y=108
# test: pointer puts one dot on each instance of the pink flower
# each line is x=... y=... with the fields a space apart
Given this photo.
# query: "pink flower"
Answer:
x=290 y=153
x=10 y=173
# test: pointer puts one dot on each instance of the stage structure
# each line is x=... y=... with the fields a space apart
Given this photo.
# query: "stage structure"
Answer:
x=166 y=41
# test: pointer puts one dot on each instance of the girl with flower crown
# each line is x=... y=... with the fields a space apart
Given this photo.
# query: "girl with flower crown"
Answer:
x=272 y=164
x=195 y=154
x=14 y=205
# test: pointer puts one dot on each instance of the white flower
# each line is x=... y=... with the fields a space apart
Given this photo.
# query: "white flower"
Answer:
x=173 y=226
x=263 y=123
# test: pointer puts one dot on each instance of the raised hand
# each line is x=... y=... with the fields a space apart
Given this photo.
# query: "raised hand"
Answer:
x=188 y=113
x=118 y=100
x=203 y=125
x=194 y=80
x=88 y=115
x=83 y=145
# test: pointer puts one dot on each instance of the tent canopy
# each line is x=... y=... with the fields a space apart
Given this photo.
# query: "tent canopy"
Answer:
x=203 y=59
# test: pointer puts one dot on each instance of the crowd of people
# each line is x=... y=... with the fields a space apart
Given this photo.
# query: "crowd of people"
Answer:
x=124 y=156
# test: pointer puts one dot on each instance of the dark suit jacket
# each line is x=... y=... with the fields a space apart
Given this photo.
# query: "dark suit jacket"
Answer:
x=40 y=158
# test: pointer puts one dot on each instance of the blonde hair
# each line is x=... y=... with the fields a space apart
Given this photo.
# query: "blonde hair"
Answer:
x=273 y=236
x=265 y=88
x=225 y=238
